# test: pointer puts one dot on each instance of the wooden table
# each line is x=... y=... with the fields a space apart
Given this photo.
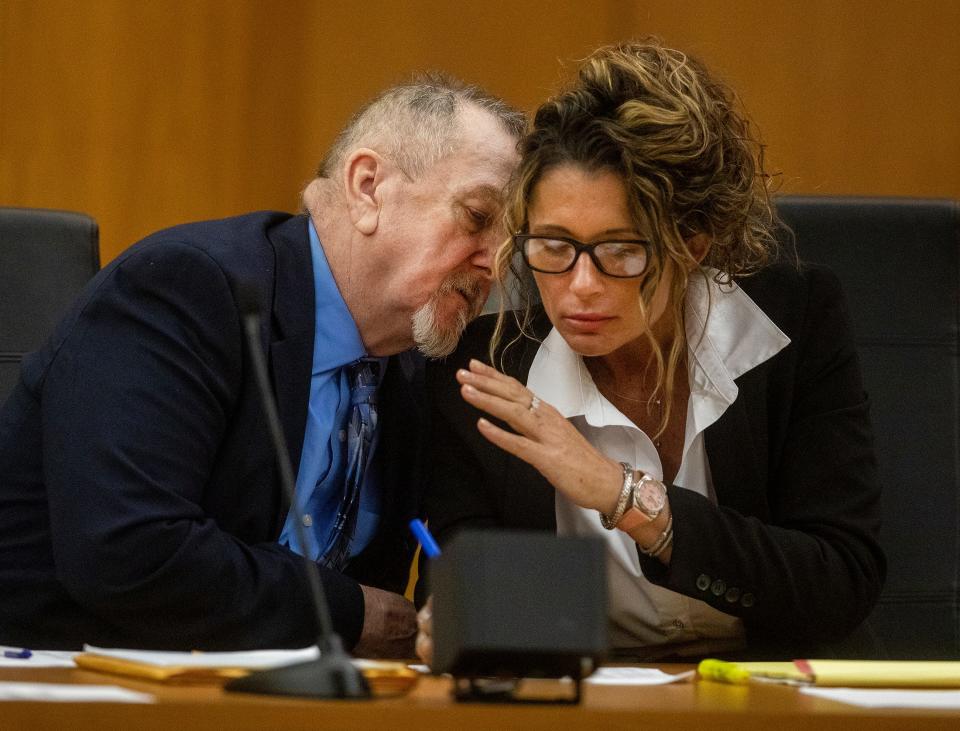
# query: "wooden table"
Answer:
x=700 y=705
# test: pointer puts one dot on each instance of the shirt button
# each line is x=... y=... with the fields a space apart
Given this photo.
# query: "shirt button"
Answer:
x=342 y=435
x=718 y=587
x=733 y=594
x=307 y=520
x=703 y=582
x=747 y=600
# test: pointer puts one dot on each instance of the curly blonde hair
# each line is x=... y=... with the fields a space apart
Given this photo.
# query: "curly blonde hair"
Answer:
x=690 y=164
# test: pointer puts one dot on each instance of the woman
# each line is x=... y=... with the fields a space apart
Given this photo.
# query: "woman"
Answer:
x=679 y=392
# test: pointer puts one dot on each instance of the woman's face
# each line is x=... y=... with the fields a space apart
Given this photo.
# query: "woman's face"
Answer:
x=596 y=314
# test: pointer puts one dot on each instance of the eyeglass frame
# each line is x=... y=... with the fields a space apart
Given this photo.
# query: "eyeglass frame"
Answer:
x=579 y=247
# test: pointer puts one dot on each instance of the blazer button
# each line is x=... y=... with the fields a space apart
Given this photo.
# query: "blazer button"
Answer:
x=718 y=587
x=703 y=582
x=747 y=600
x=732 y=595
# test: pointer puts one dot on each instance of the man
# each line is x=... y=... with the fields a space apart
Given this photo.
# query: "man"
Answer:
x=139 y=497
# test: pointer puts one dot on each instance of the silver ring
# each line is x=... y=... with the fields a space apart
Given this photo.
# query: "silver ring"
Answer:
x=534 y=403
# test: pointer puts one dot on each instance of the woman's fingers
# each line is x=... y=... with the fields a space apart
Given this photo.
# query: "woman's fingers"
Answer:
x=517 y=415
x=424 y=648
x=490 y=380
x=517 y=445
x=425 y=618
x=541 y=437
x=506 y=399
x=424 y=644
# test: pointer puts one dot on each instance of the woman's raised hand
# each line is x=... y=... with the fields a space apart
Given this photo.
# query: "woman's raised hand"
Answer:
x=541 y=437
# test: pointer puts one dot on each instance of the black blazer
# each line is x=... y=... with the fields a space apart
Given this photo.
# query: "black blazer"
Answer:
x=791 y=548
x=139 y=498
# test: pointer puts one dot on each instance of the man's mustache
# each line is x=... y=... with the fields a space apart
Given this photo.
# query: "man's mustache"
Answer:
x=471 y=286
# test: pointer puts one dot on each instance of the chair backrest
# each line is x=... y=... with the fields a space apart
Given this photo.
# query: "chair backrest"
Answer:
x=45 y=259
x=899 y=263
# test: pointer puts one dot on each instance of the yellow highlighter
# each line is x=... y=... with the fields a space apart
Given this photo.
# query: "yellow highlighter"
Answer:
x=721 y=671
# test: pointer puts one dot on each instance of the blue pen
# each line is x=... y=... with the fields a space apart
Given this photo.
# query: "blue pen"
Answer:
x=23 y=654
x=427 y=541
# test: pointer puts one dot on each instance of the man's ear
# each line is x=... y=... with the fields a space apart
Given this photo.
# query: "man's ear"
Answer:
x=698 y=246
x=363 y=173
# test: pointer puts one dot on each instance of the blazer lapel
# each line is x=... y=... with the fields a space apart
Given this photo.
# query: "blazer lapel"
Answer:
x=403 y=429
x=291 y=332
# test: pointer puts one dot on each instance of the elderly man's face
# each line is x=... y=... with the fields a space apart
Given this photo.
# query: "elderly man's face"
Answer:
x=446 y=228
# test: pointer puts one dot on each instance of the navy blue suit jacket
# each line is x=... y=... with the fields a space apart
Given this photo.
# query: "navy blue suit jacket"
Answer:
x=139 y=496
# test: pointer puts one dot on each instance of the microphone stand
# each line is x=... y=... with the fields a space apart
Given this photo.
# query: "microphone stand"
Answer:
x=332 y=675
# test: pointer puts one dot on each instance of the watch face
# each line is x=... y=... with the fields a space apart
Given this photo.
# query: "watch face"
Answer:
x=650 y=497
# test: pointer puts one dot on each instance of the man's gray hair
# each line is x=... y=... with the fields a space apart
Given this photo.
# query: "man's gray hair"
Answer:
x=416 y=123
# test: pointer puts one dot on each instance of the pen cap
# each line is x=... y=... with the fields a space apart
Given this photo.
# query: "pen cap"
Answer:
x=517 y=604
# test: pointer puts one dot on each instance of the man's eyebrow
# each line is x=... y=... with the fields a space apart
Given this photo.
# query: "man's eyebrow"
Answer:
x=486 y=191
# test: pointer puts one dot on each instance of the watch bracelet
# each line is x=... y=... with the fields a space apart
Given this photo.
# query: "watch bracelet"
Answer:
x=626 y=495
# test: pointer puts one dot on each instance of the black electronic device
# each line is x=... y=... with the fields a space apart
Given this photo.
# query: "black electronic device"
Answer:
x=332 y=675
x=518 y=605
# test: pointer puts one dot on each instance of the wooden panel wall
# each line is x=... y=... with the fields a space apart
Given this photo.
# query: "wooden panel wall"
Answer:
x=147 y=113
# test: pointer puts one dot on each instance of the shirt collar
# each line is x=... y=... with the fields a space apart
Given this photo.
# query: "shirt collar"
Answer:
x=727 y=335
x=337 y=340
x=559 y=376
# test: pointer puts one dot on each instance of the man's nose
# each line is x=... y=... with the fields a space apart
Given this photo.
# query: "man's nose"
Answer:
x=485 y=254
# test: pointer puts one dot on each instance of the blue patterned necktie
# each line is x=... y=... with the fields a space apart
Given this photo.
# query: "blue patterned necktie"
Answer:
x=363 y=375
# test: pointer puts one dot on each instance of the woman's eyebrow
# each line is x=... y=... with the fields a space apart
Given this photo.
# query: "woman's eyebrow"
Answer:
x=550 y=228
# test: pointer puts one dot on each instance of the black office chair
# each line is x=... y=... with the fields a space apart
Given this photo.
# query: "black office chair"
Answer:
x=899 y=262
x=45 y=259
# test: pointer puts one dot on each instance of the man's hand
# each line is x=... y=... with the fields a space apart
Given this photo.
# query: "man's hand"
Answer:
x=389 y=625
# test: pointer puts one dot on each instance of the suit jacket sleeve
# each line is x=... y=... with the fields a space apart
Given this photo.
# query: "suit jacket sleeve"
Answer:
x=135 y=405
x=796 y=536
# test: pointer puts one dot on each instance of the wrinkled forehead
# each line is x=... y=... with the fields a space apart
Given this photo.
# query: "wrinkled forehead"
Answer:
x=483 y=141
x=478 y=164
x=477 y=172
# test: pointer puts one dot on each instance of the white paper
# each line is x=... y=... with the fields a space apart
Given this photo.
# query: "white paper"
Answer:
x=254 y=659
x=38 y=659
x=888 y=697
x=62 y=692
x=635 y=676
x=613 y=676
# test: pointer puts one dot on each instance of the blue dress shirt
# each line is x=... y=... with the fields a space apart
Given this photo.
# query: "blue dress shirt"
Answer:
x=320 y=479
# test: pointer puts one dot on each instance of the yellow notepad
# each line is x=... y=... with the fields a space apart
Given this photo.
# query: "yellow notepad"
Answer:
x=173 y=674
x=861 y=673
x=199 y=668
x=885 y=673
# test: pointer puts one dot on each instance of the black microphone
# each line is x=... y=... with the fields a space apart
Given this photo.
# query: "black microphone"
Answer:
x=332 y=675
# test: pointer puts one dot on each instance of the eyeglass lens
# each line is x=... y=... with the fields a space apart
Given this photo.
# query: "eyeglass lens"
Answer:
x=616 y=258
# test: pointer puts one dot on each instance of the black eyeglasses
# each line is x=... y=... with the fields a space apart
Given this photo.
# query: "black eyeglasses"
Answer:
x=559 y=254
